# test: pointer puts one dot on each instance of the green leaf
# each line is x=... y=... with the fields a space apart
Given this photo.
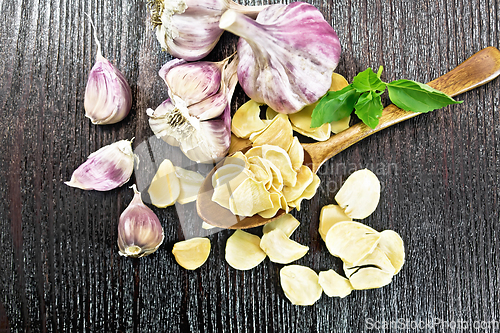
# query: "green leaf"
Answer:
x=335 y=105
x=417 y=97
x=369 y=108
x=368 y=81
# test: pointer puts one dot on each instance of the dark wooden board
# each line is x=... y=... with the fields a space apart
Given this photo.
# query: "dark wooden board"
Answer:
x=59 y=266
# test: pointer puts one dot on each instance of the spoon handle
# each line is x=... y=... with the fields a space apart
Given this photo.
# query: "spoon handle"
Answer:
x=479 y=69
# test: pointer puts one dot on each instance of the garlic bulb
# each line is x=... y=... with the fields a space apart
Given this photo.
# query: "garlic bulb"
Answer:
x=108 y=97
x=189 y=29
x=139 y=230
x=105 y=169
x=197 y=116
x=287 y=56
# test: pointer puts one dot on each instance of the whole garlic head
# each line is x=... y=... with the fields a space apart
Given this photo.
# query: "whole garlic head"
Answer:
x=197 y=116
x=278 y=66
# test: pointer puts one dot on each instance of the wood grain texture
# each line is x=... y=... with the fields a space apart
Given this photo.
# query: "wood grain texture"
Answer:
x=440 y=174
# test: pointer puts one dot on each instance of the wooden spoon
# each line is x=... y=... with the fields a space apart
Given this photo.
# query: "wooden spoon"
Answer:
x=479 y=69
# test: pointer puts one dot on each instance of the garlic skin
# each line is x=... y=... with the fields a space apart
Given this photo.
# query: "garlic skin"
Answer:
x=197 y=116
x=139 y=230
x=189 y=29
x=108 y=97
x=287 y=55
x=105 y=169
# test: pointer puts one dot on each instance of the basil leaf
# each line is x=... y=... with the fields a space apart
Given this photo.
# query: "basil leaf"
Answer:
x=417 y=97
x=369 y=108
x=335 y=105
x=367 y=81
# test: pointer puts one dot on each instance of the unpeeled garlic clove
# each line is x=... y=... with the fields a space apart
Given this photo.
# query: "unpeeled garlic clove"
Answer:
x=139 y=230
x=197 y=116
x=108 y=97
x=105 y=169
x=189 y=29
x=278 y=66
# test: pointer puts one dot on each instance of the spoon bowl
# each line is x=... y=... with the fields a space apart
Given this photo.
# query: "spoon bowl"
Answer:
x=479 y=69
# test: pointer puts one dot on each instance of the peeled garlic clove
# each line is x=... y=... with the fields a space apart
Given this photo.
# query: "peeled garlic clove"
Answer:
x=330 y=215
x=360 y=194
x=280 y=67
x=280 y=248
x=189 y=29
x=246 y=120
x=198 y=120
x=243 y=251
x=300 y=284
x=249 y=198
x=165 y=187
x=333 y=284
x=351 y=241
x=139 y=229
x=192 y=253
x=286 y=223
x=393 y=246
x=108 y=97
x=105 y=169
x=189 y=185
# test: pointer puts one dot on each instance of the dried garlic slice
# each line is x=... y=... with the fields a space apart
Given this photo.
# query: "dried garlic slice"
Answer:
x=223 y=192
x=192 y=253
x=237 y=158
x=279 y=157
x=338 y=82
x=206 y=226
x=280 y=248
x=225 y=173
x=300 y=284
x=333 y=284
x=165 y=187
x=277 y=181
x=330 y=214
x=340 y=125
x=360 y=194
x=271 y=212
x=301 y=123
x=249 y=198
x=376 y=259
x=243 y=250
x=261 y=175
x=309 y=192
x=304 y=177
x=370 y=278
x=392 y=245
x=278 y=133
x=296 y=153
x=238 y=144
x=351 y=241
x=254 y=151
x=286 y=223
x=270 y=113
x=246 y=120
x=190 y=183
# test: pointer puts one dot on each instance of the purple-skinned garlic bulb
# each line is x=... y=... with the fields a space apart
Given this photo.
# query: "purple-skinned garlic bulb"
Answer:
x=197 y=115
x=287 y=55
x=139 y=230
x=189 y=29
x=105 y=169
x=108 y=97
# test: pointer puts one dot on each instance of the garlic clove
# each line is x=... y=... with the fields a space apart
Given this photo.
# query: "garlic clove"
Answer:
x=139 y=230
x=105 y=169
x=278 y=66
x=165 y=186
x=108 y=97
